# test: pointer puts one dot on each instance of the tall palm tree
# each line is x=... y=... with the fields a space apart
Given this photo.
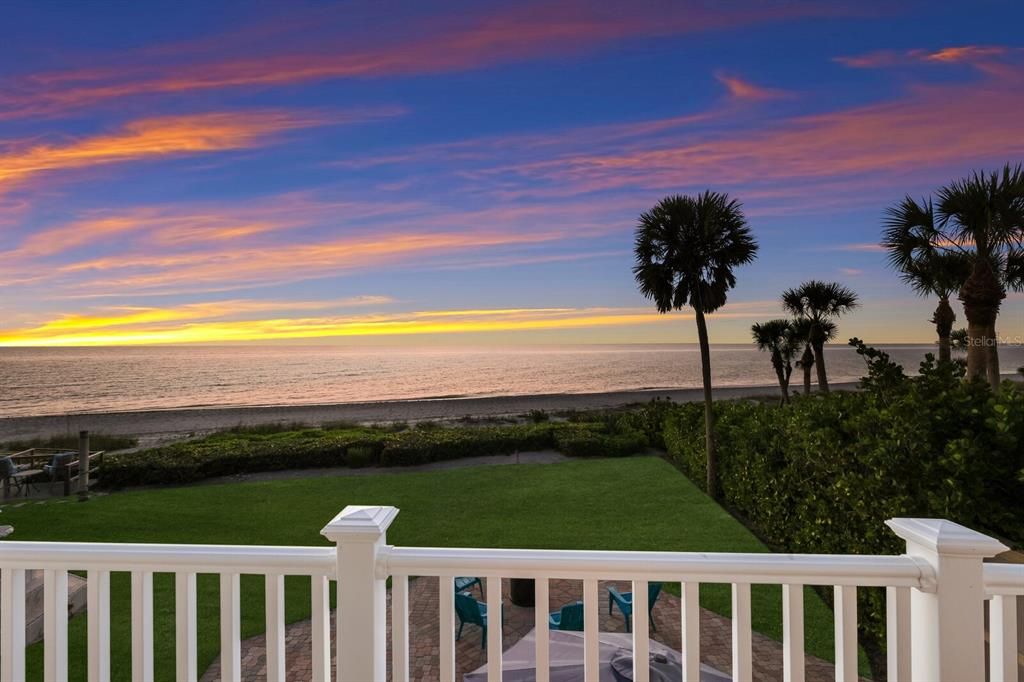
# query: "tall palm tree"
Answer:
x=984 y=211
x=777 y=337
x=802 y=339
x=930 y=268
x=686 y=249
x=819 y=302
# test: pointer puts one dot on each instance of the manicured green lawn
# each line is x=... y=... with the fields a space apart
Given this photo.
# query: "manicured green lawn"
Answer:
x=628 y=504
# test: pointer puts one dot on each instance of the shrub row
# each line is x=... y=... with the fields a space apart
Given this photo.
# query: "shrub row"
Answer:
x=824 y=474
x=233 y=453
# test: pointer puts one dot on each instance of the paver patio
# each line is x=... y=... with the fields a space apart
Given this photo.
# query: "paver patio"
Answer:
x=715 y=635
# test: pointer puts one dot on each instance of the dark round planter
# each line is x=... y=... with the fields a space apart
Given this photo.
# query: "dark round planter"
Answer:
x=521 y=592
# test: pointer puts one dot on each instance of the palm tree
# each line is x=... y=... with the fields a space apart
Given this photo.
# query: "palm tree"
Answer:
x=777 y=337
x=819 y=302
x=959 y=339
x=686 y=249
x=928 y=267
x=985 y=211
x=802 y=338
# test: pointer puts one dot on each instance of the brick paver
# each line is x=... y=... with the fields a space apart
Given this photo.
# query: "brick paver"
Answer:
x=715 y=636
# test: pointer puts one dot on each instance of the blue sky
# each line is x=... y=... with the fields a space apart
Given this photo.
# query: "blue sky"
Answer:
x=448 y=172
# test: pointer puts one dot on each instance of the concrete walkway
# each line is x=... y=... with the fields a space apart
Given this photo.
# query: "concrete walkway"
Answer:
x=715 y=635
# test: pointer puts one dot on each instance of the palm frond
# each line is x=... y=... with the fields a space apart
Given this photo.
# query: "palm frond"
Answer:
x=686 y=249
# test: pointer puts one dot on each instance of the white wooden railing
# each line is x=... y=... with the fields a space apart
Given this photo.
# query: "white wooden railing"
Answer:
x=935 y=615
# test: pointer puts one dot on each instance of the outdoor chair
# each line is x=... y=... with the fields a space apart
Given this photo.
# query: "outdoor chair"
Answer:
x=57 y=464
x=469 y=610
x=570 y=617
x=624 y=600
x=11 y=475
x=465 y=584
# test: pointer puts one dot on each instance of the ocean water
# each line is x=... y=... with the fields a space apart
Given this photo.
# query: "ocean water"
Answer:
x=37 y=381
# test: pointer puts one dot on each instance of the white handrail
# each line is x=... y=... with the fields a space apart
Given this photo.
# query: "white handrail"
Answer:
x=806 y=569
x=1004 y=579
x=248 y=559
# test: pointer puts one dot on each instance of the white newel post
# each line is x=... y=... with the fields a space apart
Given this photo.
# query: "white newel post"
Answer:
x=359 y=533
x=947 y=628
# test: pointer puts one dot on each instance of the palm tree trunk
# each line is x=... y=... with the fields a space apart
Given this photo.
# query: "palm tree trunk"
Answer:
x=781 y=374
x=807 y=362
x=977 y=355
x=819 y=362
x=943 y=319
x=709 y=412
x=981 y=294
x=992 y=358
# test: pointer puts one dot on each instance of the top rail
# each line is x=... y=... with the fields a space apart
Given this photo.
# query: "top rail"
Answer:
x=249 y=559
x=1004 y=579
x=802 y=569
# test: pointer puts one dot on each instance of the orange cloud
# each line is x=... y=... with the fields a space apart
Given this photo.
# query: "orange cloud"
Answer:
x=526 y=32
x=742 y=89
x=149 y=139
x=960 y=54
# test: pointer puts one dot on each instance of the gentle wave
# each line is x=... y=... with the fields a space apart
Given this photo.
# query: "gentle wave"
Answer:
x=36 y=381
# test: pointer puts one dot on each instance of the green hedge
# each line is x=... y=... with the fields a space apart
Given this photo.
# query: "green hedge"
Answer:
x=240 y=452
x=590 y=443
x=825 y=473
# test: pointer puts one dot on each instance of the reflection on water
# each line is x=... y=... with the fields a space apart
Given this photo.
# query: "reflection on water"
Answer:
x=55 y=381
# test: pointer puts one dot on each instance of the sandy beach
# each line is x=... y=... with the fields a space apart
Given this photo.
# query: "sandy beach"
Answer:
x=158 y=425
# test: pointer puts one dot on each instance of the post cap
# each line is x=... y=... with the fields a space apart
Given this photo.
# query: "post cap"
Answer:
x=359 y=523
x=946 y=537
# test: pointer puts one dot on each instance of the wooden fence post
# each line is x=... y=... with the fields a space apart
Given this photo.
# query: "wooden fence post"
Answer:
x=83 y=466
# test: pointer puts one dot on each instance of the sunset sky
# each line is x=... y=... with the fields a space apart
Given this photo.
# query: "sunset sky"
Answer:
x=440 y=172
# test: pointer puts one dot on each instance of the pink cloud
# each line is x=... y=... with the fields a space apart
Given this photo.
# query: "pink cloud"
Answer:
x=528 y=31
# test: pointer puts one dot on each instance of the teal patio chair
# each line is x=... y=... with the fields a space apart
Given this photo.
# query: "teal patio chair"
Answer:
x=570 y=617
x=624 y=600
x=469 y=610
x=465 y=584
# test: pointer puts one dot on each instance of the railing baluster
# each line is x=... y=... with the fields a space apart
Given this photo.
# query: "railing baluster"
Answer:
x=274 y=603
x=399 y=628
x=543 y=644
x=142 y=626
x=591 y=632
x=230 y=628
x=846 y=632
x=186 y=662
x=320 y=590
x=446 y=612
x=494 y=621
x=98 y=615
x=12 y=624
x=55 y=624
x=690 y=609
x=897 y=633
x=793 y=633
x=742 y=653
x=1002 y=616
x=641 y=633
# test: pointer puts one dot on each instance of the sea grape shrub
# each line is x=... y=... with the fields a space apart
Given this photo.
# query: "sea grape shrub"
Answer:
x=883 y=374
x=825 y=473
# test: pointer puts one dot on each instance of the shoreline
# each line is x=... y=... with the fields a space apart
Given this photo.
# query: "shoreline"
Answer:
x=157 y=425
